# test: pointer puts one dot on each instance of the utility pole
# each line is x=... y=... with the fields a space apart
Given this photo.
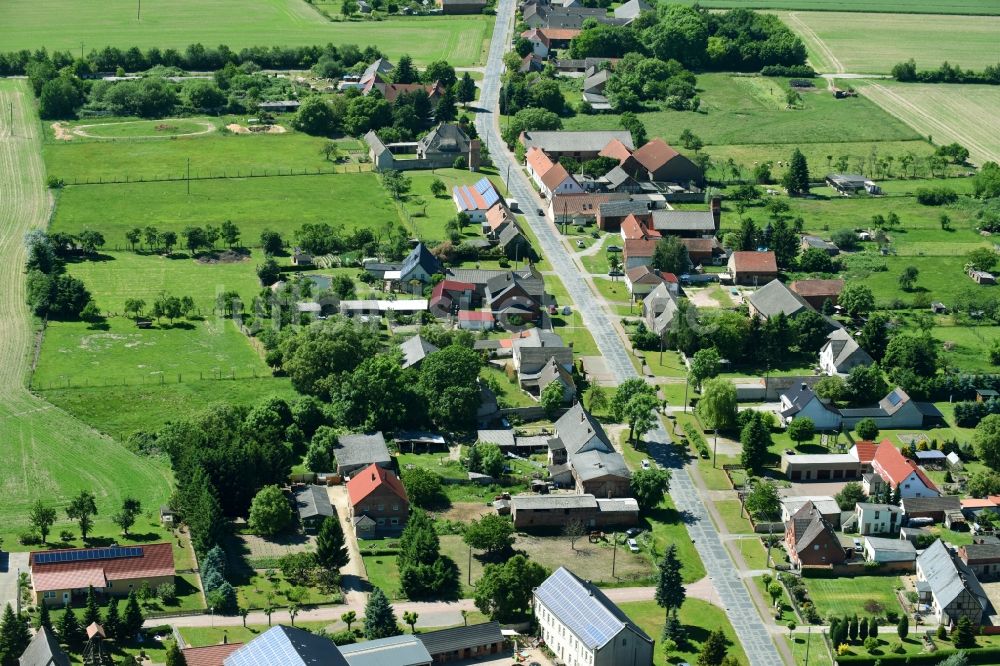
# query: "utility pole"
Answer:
x=470 y=565
x=614 y=552
x=189 y=175
x=808 y=641
x=715 y=451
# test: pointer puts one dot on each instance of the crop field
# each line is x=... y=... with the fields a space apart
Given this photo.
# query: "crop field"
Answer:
x=751 y=110
x=858 y=43
x=213 y=154
x=280 y=203
x=64 y=24
x=47 y=453
x=948 y=112
x=988 y=7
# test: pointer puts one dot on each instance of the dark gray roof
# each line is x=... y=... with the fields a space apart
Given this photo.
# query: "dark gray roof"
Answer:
x=560 y=141
x=502 y=438
x=660 y=306
x=509 y=234
x=361 y=449
x=684 y=220
x=799 y=396
x=420 y=256
x=446 y=138
x=43 y=650
x=623 y=208
x=982 y=551
x=921 y=504
x=580 y=431
x=415 y=350
x=584 y=609
x=775 y=297
x=596 y=80
x=845 y=349
x=313 y=501
x=454 y=639
x=287 y=646
x=403 y=650
x=596 y=464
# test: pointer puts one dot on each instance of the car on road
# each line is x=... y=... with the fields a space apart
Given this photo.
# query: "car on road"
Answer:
x=540 y=211
x=632 y=545
x=645 y=463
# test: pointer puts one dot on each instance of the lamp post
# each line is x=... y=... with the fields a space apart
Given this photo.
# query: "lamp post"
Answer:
x=715 y=448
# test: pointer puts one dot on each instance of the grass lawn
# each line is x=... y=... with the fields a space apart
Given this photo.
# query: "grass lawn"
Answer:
x=667 y=528
x=199 y=636
x=596 y=263
x=63 y=25
x=670 y=366
x=729 y=510
x=754 y=553
x=784 y=612
x=900 y=6
x=215 y=153
x=510 y=393
x=121 y=410
x=699 y=619
x=751 y=110
x=573 y=331
x=817 y=651
x=853 y=42
x=430 y=213
x=383 y=573
x=282 y=204
x=614 y=291
x=948 y=113
x=256 y=592
x=847 y=596
x=438 y=463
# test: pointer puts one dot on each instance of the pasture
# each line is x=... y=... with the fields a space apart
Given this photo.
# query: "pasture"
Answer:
x=858 y=43
x=282 y=204
x=751 y=110
x=48 y=454
x=698 y=617
x=948 y=112
x=887 y=6
x=71 y=25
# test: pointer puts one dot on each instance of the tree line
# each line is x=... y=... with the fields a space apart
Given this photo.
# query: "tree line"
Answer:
x=945 y=73
x=50 y=291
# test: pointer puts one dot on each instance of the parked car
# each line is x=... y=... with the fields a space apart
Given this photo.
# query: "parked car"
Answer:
x=857 y=546
x=633 y=532
x=614 y=273
x=614 y=248
x=633 y=546
x=580 y=243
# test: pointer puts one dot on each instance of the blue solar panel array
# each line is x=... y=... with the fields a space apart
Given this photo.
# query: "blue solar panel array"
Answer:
x=894 y=398
x=488 y=192
x=569 y=599
x=85 y=555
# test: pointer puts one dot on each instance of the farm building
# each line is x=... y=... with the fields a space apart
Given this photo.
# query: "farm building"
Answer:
x=403 y=650
x=933 y=507
x=659 y=162
x=280 y=106
x=209 y=655
x=817 y=292
x=295 y=646
x=886 y=551
x=57 y=576
x=313 y=505
x=982 y=558
x=558 y=509
x=457 y=643
x=687 y=223
x=775 y=297
x=817 y=243
x=462 y=6
x=752 y=268
x=896 y=411
x=582 y=145
x=359 y=450
x=852 y=184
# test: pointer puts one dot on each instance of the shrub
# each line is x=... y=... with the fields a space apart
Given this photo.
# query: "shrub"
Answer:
x=871 y=644
x=166 y=592
x=897 y=647
x=936 y=196
x=55 y=183
x=29 y=539
x=942 y=633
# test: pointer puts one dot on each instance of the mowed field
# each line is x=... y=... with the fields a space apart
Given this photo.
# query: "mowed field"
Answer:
x=48 y=454
x=64 y=24
x=873 y=43
x=895 y=6
x=948 y=112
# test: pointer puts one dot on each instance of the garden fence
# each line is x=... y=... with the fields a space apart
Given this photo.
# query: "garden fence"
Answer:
x=150 y=379
x=219 y=175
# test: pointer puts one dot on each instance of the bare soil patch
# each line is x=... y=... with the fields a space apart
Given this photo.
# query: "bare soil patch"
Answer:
x=62 y=134
x=224 y=257
x=236 y=128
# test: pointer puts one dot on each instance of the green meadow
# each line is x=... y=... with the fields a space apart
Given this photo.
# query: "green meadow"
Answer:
x=887 y=6
x=72 y=25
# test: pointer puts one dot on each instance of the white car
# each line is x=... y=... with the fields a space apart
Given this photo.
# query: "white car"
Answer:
x=645 y=463
x=633 y=545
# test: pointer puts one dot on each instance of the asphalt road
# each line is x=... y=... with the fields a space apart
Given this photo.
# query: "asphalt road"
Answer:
x=749 y=626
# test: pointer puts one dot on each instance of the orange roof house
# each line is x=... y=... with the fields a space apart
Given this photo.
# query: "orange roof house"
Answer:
x=748 y=267
x=662 y=163
x=616 y=150
x=379 y=504
x=115 y=570
x=634 y=229
x=901 y=472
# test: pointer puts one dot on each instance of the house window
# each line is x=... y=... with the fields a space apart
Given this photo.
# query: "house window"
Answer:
x=49 y=595
x=381 y=522
x=876 y=515
x=395 y=507
x=394 y=521
x=381 y=507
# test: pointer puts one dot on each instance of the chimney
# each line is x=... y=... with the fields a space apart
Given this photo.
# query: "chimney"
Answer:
x=716 y=206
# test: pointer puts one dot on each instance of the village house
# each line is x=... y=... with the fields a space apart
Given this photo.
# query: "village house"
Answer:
x=418 y=266
x=901 y=473
x=826 y=505
x=579 y=209
x=896 y=411
x=58 y=577
x=802 y=402
x=513 y=294
x=775 y=297
x=638 y=227
x=841 y=354
x=641 y=280
x=416 y=349
x=949 y=587
x=638 y=253
x=546 y=40
x=983 y=559
x=817 y=243
x=439 y=149
x=811 y=540
x=550 y=177
x=379 y=504
x=44 y=650
x=752 y=268
x=878 y=519
x=661 y=163
x=817 y=292
x=582 y=626
x=359 y=450
x=558 y=509
x=313 y=505
x=659 y=308
x=475 y=200
x=703 y=251
x=448 y=298
x=581 y=455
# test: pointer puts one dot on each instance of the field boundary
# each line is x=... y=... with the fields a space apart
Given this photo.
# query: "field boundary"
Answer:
x=810 y=36
x=225 y=175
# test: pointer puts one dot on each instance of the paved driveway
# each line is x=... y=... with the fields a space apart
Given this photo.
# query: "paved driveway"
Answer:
x=739 y=607
x=10 y=563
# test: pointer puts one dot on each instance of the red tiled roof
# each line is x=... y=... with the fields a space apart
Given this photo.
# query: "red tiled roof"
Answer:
x=640 y=248
x=538 y=161
x=559 y=33
x=645 y=274
x=633 y=229
x=581 y=204
x=817 y=287
x=476 y=315
x=654 y=154
x=973 y=503
x=157 y=560
x=866 y=451
x=555 y=176
x=617 y=150
x=700 y=245
x=754 y=262
x=210 y=655
x=365 y=482
x=496 y=215
x=450 y=285
x=894 y=465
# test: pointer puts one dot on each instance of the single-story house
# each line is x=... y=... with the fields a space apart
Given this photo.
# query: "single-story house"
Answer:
x=914 y=534
x=57 y=576
x=982 y=558
x=896 y=411
x=359 y=450
x=638 y=253
x=817 y=243
x=313 y=504
x=476 y=320
x=885 y=551
x=659 y=308
x=982 y=277
x=752 y=268
x=402 y=650
x=802 y=402
x=820 y=466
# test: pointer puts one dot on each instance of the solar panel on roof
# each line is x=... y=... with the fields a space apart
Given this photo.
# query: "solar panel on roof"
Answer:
x=894 y=398
x=111 y=553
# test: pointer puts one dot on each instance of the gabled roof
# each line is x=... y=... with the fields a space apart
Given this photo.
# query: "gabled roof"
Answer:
x=209 y=655
x=617 y=150
x=380 y=66
x=754 y=262
x=896 y=468
x=402 y=650
x=559 y=141
x=445 y=138
x=416 y=349
x=510 y=234
x=649 y=275
x=845 y=350
x=421 y=256
x=818 y=288
x=662 y=306
x=894 y=401
x=313 y=501
x=870 y=506
x=555 y=176
x=655 y=154
x=43 y=650
x=584 y=609
x=287 y=646
x=598 y=464
x=631 y=9
x=371 y=478
x=361 y=449
x=595 y=82
x=641 y=247
x=538 y=160
x=935 y=504
x=498 y=215
x=679 y=221
x=775 y=297
x=865 y=451
x=79 y=568
x=633 y=229
x=948 y=576
x=810 y=525
x=454 y=639
x=580 y=431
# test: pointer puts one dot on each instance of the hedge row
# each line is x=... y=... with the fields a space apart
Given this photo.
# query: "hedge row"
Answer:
x=980 y=656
